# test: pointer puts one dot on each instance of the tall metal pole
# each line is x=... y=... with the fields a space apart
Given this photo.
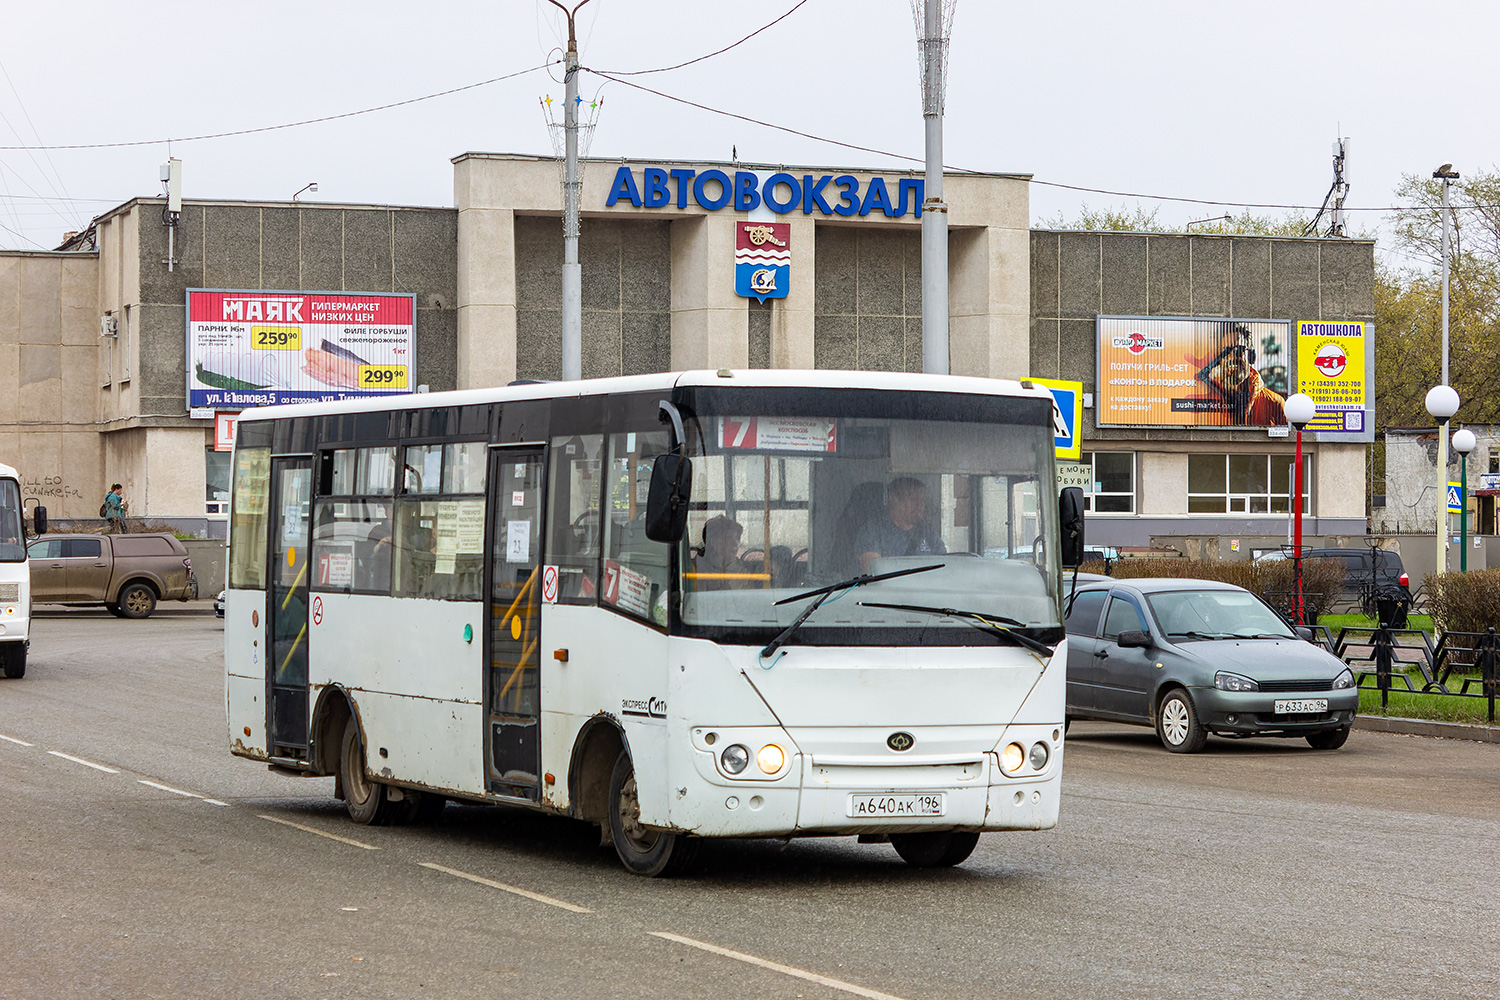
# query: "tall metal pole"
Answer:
x=934 y=211
x=1442 y=518
x=1446 y=182
x=572 y=272
x=1446 y=174
x=1463 y=518
x=1298 y=606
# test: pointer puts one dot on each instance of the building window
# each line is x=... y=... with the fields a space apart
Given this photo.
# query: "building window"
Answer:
x=1243 y=484
x=1112 y=482
x=216 y=481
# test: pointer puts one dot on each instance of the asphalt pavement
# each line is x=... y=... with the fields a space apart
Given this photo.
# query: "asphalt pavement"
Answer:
x=143 y=860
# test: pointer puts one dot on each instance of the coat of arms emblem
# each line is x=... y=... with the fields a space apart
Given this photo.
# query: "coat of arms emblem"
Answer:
x=762 y=259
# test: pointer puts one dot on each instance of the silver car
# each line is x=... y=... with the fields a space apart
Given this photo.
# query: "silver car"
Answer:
x=1194 y=657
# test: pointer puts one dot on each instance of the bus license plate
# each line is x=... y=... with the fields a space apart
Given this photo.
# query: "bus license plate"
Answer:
x=899 y=804
x=1301 y=706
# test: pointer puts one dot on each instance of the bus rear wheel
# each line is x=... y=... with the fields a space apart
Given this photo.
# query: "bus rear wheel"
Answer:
x=935 y=850
x=13 y=655
x=642 y=850
x=364 y=799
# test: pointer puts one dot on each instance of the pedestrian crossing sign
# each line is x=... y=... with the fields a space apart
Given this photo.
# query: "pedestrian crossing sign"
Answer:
x=1067 y=416
x=1455 y=498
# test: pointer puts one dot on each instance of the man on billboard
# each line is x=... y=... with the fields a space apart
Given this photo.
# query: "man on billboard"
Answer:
x=1231 y=376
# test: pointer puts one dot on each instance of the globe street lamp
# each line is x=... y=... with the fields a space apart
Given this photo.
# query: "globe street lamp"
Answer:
x=1463 y=443
x=1442 y=403
x=1300 y=409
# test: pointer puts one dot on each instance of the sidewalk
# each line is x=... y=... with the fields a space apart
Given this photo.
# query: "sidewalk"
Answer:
x=203 y=606
x=1425 y=727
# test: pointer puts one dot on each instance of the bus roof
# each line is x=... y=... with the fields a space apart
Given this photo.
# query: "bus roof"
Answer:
x=8 y=473
x=748 y=377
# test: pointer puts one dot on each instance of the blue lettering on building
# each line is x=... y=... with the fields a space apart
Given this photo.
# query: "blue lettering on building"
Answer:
x=781 y=192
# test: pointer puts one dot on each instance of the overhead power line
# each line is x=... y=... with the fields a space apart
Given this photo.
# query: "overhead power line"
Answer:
x=274 y=128
x=718 y=52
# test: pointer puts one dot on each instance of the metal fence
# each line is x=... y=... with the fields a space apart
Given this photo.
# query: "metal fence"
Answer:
x=1381 y=658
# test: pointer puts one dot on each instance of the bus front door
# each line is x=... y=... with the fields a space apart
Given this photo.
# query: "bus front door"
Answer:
x=513 y=654
x=286 y=610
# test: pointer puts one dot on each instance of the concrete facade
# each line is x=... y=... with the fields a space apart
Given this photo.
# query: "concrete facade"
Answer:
x=79 y=411
x=1078 y=276
x=855 y=292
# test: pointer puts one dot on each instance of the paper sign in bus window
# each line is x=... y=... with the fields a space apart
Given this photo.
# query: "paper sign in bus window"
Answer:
x=518 y=541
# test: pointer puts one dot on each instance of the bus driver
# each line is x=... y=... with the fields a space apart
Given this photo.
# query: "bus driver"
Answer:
x=903 y=530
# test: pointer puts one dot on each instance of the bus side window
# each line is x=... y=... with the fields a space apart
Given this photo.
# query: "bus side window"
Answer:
x=573 y=486
x=635 y=569
x=252 y=484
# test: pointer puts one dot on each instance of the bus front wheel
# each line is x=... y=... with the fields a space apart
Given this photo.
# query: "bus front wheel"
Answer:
x=365 y=799
x=13 y=655
x=643 y=850
x=935 y=850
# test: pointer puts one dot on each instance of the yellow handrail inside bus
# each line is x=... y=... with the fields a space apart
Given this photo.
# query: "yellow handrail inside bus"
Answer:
x=293 y=588
x=289 y=652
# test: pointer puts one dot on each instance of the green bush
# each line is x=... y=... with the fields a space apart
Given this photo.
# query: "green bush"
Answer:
x=1273 y=580
x=1465 y=602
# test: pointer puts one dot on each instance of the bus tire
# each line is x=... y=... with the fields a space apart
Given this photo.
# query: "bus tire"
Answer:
x=641 y=849
x=364 y=799
x=137 y=600
x=935 y=850
x=14 y=655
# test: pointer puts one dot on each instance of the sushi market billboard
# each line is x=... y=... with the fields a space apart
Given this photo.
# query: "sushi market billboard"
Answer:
x=259 y=348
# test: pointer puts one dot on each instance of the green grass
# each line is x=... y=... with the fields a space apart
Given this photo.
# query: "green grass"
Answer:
x=1335 y=622
x=1433 y=707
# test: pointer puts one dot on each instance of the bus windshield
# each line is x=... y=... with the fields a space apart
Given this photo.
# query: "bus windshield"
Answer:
x=12 y=541
x=786 y=504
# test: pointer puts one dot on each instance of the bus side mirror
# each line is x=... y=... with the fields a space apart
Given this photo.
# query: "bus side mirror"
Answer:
x=667 y=503
x=1070 y=525
x=39 y=518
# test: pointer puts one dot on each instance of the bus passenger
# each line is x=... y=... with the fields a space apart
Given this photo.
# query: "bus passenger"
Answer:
x=903 y=530
x=721 y=555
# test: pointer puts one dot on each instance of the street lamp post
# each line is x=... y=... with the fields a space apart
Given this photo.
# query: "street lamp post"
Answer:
x=1442 y=403
x=1300 y=409
x=1463 y=443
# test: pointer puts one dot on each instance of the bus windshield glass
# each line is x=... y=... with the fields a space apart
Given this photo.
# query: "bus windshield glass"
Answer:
x=785 y=504
x=12 y=542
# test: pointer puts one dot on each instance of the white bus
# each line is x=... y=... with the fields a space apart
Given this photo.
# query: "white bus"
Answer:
x=15 y=574
x=703 y=604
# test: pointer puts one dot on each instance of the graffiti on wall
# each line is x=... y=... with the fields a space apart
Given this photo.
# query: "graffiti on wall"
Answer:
x=47 y=488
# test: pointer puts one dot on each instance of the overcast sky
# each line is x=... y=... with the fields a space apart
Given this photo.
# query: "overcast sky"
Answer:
x=1225 y=102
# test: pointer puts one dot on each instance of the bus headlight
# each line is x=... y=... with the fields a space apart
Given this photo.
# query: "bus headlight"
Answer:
x=1012 y=757
x=734 y=759
x=1039 y=755
x=771 y=758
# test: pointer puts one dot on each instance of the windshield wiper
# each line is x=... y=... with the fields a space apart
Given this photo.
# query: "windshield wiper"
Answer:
x=997 y=625
x=822 y=594
x=1206 y=635
x=1262 y=635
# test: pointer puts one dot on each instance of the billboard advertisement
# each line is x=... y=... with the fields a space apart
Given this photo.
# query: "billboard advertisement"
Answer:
x=1331 y=369
x=1180 y=372
x=259 y=348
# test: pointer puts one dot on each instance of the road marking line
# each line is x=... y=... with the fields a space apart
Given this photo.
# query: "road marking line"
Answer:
x=215 y=802
x=169 y=788
x=321 y=833
x=786 y=970
x=12 y=739
x=85 y=763
x=538 y=897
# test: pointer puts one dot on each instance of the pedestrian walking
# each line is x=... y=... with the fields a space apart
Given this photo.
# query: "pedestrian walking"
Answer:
x=113 y=510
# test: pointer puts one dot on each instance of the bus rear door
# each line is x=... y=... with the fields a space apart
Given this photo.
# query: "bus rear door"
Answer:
x=286 y=611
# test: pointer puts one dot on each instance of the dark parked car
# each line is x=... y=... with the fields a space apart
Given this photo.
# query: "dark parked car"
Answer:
x=1368 y=573
x=128 y=574
x=1194 y=657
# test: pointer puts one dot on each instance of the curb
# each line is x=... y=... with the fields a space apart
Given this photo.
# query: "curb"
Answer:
x=1424 y=727
x=169 y=609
